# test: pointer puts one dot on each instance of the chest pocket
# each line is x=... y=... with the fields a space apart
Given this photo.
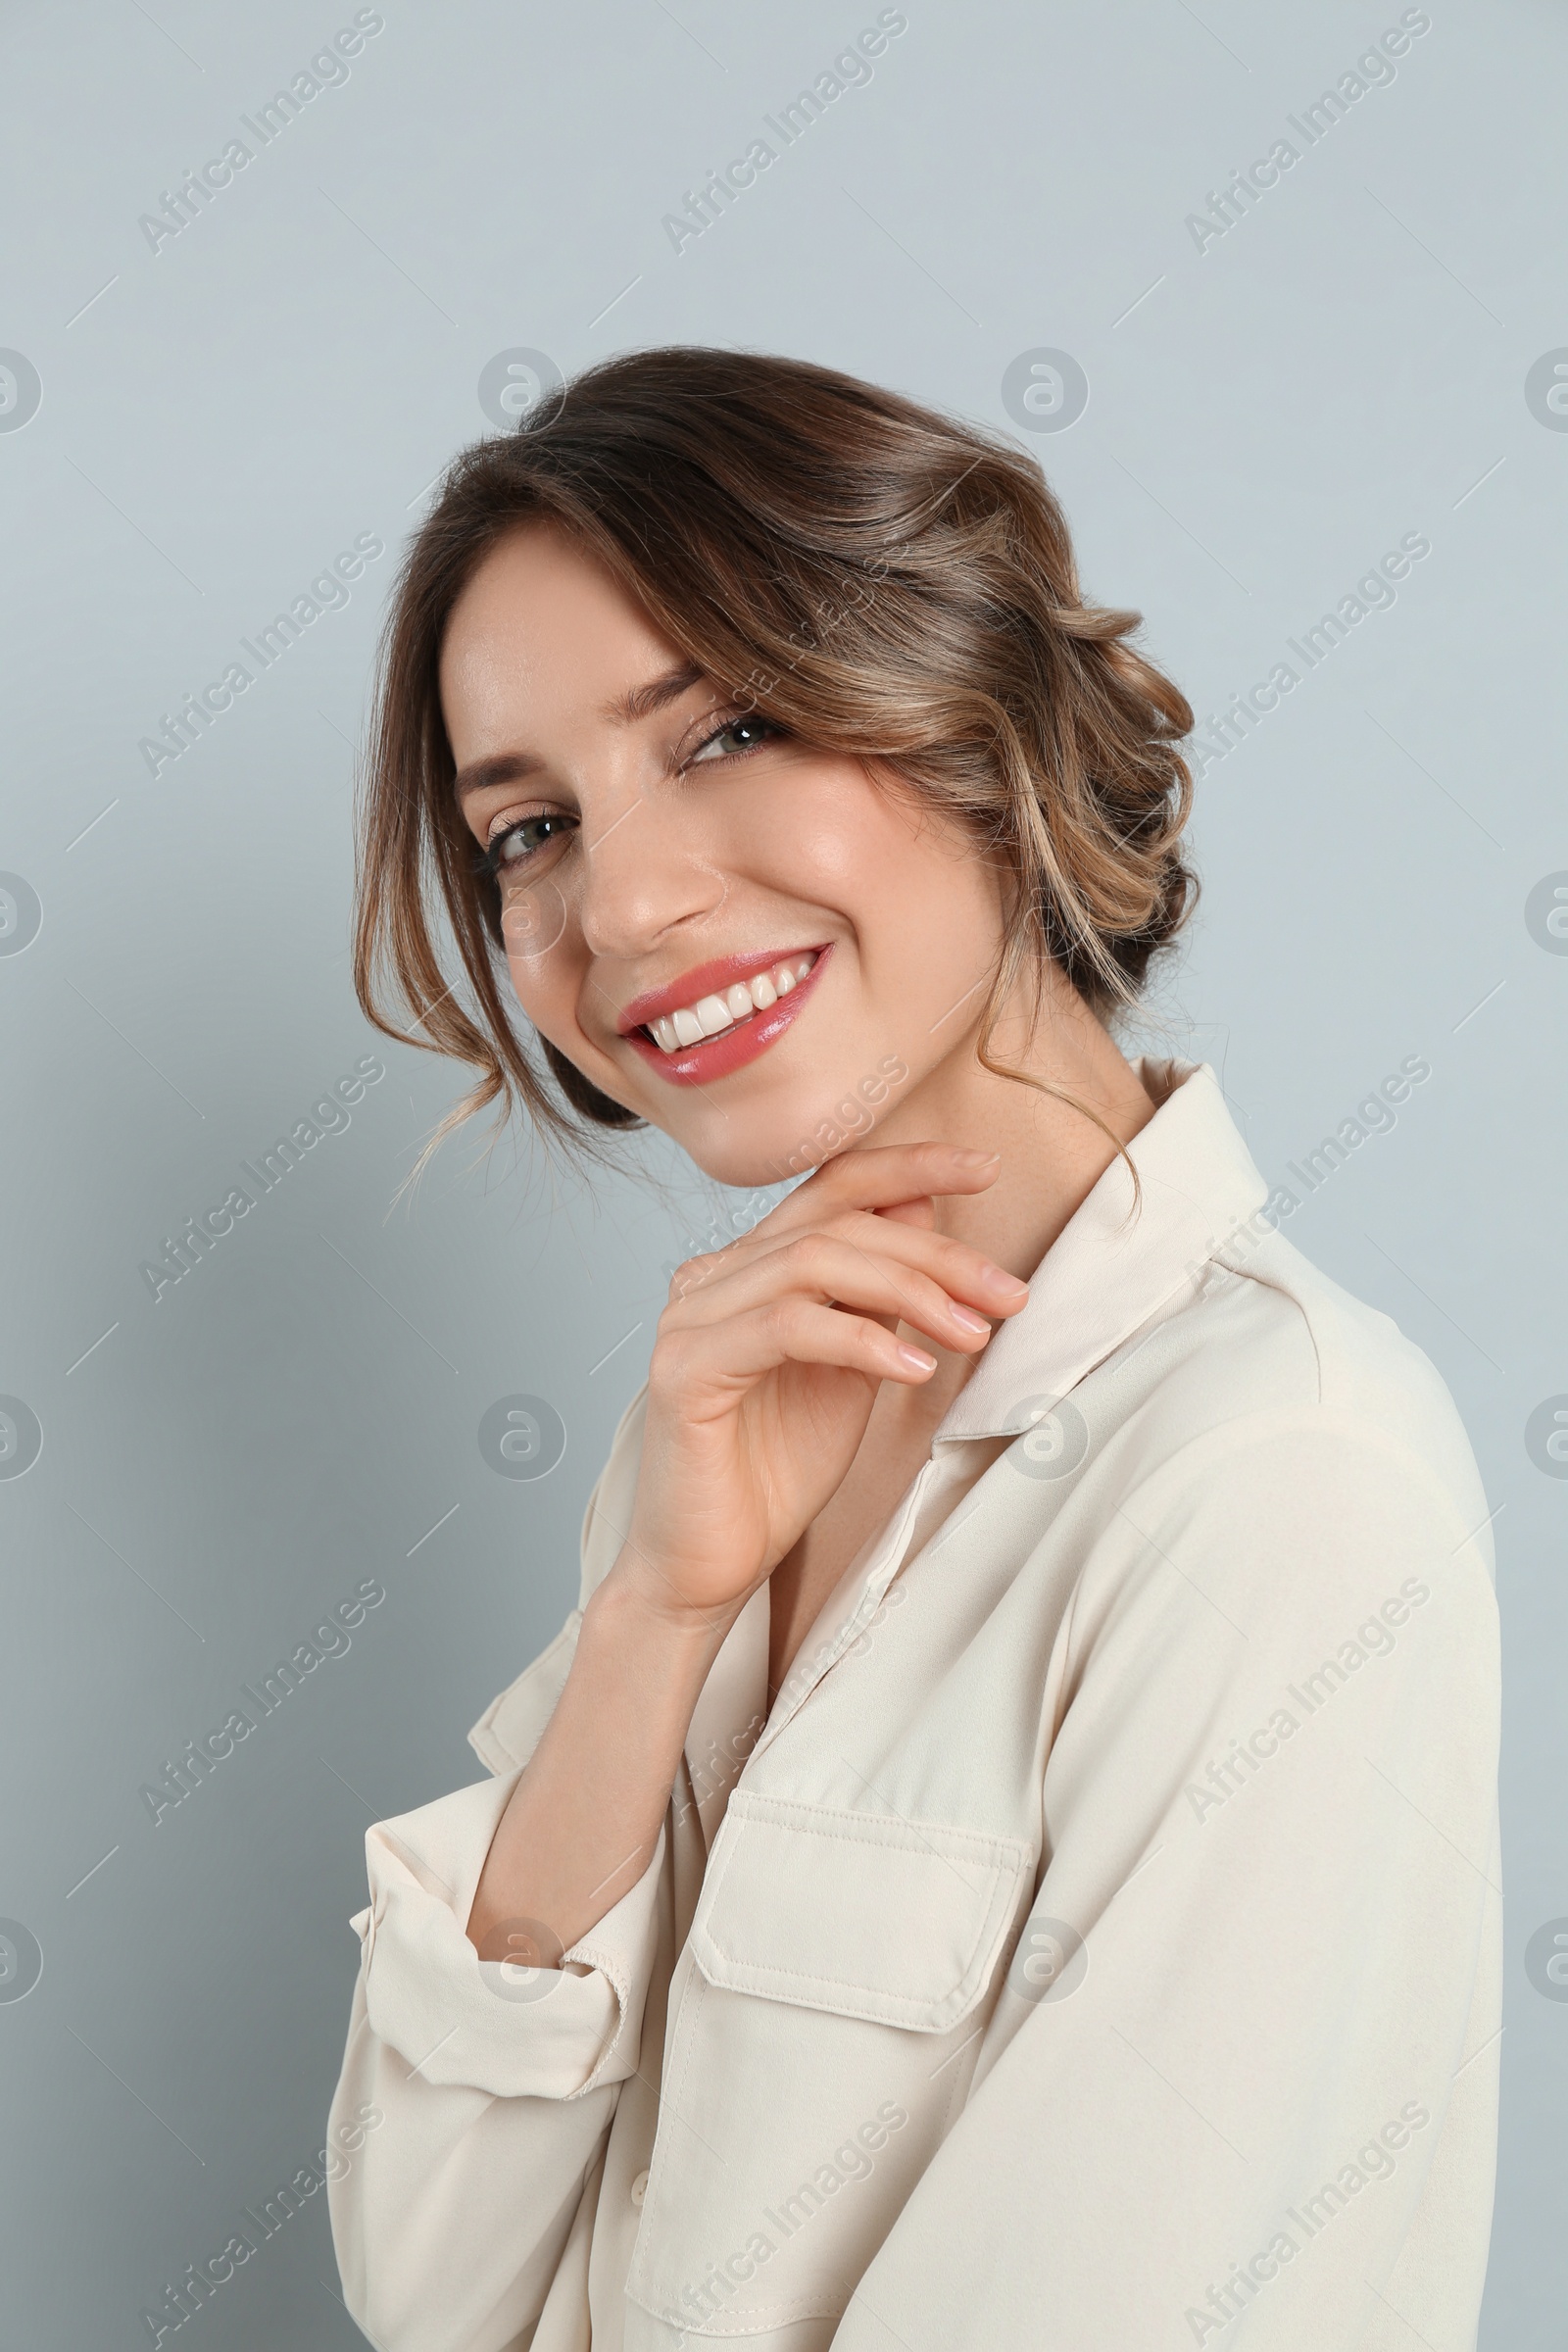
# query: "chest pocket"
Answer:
x=867 y=1915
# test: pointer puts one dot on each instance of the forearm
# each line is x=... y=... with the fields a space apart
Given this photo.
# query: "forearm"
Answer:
x=585 y=1815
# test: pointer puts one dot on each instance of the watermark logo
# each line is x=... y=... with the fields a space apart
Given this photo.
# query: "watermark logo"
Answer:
x=1221 y=731
x=743 y=1218
x=198 y=1758
x=1056 y=1442
x=20 y=914
x=1044 y=390
x=1373 y=1115
x=523 y=1437
x=1546 y=913
x=1547 y=1959
x=1374 y=69
x=704 y=2299
x=1375 y=2160
x=532 y=920
x=21 y=1960
x=852 y=1116
x=327 y=70
x=514 y=383
x=184 y=2297
x=1228 y=1774
x=20 y=391
x=328 y=592
x=21 y=1437
x=1546 y=1436
x=1051 y=1962
x=1545 y=390
x=199 y=1236
x=714 y=1772
x=526 y=1956
x=812 y=632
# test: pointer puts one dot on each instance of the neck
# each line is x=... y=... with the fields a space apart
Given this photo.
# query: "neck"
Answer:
x=1051 y=1154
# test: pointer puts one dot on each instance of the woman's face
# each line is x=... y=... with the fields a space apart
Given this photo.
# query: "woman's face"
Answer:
x=762 y=947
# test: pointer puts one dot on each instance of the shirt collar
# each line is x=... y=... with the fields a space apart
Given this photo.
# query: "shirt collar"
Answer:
x=1109 y=1270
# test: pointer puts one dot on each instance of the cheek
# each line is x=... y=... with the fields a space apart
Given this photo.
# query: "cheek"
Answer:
x=823 y=830
x=928 y=897
x=923 y=901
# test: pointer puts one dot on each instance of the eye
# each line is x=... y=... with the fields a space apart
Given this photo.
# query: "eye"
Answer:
x=520 y=844
x=745 y=734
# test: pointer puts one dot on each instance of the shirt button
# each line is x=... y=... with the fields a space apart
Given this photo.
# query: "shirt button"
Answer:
x=639 y=2189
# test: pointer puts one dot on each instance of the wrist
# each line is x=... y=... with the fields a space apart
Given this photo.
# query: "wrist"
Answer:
x=638 y=1595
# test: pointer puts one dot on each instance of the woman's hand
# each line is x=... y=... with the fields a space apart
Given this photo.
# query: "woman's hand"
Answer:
x=769 y=1359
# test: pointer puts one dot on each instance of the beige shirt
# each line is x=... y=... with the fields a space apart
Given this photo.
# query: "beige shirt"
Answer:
x=1097 y=1941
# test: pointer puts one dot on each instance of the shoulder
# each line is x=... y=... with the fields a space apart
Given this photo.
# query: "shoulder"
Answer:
x=1277 y=1463
x=1271 y=1358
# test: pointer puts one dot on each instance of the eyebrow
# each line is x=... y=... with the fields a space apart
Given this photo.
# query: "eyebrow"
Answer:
x=622 y=711
x=643 y=701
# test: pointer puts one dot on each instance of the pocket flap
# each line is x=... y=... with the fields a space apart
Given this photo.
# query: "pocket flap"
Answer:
x=868 y=1915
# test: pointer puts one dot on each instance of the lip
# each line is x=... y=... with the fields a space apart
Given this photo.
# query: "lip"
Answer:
x=705 y=980
x=733 y=1047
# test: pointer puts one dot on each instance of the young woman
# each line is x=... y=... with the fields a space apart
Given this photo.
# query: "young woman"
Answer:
x=1003 y=1855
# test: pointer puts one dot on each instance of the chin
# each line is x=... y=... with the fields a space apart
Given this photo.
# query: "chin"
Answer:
x=744 y=1166
x=793 y=1123
x=768 y=1150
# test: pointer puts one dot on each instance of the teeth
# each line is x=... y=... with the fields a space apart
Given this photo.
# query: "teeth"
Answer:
x=711 y=1015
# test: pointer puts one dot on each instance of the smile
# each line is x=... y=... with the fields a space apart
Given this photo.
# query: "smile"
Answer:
x=734 y=1012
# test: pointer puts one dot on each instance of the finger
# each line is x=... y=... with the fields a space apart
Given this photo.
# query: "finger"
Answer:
x=910 y=1212
x=879 y=1177
x=963 y=1272
x=834 y=1270
x=794 y=1330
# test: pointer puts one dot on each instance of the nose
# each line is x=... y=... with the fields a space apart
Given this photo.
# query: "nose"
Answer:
x=643 y=873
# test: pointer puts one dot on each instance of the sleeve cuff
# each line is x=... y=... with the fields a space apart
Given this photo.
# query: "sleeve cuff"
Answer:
x=552 y=2034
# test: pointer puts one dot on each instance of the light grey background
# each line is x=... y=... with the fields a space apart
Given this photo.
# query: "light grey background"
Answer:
x=220 y=416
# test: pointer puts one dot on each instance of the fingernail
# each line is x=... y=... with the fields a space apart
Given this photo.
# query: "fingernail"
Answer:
x=917 y=1358
x=967 y=1321
x=975 y=1160
x=1005 y=1285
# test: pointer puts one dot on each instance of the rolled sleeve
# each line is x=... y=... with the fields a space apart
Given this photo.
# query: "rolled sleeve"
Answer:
x=474 y=2110
x=551 y=2033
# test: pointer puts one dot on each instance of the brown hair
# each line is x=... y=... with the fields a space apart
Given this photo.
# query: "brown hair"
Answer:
x=882 y=580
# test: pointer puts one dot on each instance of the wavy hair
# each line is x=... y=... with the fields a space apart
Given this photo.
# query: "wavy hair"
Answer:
x=883 y=581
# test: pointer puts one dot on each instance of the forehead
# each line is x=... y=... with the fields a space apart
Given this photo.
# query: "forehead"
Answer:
x=542 y=629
